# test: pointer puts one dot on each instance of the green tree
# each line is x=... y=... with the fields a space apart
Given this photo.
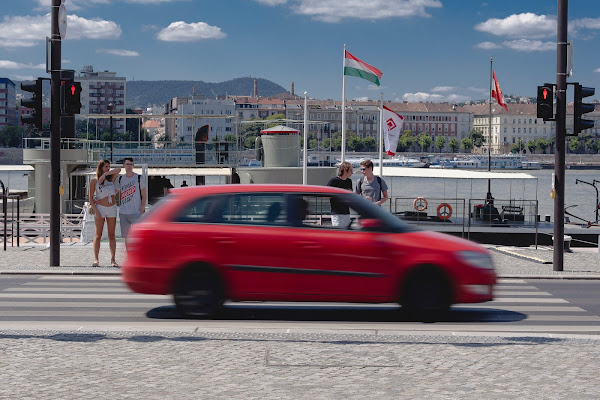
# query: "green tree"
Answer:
x=249 y=142
x=574 y=145
x=369 y=144
x=337 y=143
x=517 y=147
x=229 y=138
x=11 y=136
x=440 y=142
x=542 y=144
x=476 y=137
x=453 y=145
x=531 y=145
x=326 y=143
x=590 y=146
x=312 y=143
x=354 y=143
x=85 y=129
x=466 y=144
x=424 y=141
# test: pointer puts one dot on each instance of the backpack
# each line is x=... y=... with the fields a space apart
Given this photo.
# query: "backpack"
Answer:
x=360 y=181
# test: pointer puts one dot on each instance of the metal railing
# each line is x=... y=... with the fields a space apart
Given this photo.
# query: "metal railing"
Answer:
x=432 y=210
x=217 y=153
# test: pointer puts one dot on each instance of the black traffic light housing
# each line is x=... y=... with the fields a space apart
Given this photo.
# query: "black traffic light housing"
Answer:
x=70 y=97
x=35 y=103
x=545 y=102
x=580 y=108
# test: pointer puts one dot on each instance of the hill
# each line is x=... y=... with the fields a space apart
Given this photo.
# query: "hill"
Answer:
x=145 y=93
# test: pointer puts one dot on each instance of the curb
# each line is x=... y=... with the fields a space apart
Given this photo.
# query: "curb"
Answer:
x=517 y=255
x=60 y=272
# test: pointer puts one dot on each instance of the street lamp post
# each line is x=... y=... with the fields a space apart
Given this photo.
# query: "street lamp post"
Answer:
x=110 y=108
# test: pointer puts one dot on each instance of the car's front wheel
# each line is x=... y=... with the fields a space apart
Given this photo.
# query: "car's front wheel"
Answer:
x=426 y=295
x=199 y=292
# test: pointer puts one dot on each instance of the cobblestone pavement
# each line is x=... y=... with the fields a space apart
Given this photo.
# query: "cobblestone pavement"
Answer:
x=517 y=262
x=109 y=365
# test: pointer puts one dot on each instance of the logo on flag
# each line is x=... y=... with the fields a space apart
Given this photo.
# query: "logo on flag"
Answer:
x=393 y=123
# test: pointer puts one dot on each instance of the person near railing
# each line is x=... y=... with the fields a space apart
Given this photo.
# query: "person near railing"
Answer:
x=371 y=187
x=102 y=200
x=340 y=212
x=132 y=192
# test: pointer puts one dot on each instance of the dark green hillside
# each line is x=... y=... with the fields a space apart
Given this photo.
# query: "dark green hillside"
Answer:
x=144 y=93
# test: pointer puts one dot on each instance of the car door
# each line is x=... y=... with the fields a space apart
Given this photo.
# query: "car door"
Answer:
x=335 y=263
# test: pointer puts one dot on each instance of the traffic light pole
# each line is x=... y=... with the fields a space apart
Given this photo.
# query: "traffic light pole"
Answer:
x=55 y=67
x=559 y=157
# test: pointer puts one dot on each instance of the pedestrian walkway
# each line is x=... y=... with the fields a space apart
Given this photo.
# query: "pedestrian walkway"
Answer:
x=510 y=262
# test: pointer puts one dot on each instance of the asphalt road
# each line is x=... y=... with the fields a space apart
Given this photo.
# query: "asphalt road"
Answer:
x=93 y=302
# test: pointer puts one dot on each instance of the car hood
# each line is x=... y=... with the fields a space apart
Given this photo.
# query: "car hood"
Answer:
x=436 y=241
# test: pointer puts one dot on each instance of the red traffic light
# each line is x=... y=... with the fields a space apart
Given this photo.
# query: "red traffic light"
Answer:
x=545 y=93
x=72 y=90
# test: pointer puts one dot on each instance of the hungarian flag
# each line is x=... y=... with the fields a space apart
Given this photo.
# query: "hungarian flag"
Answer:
x=356 y=67
x=497 y=92
x=392 y=123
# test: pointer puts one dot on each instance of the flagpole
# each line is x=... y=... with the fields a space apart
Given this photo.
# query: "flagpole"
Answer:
x=381 y=137
x=489 y=192
x=305 y=152
x=343 y=107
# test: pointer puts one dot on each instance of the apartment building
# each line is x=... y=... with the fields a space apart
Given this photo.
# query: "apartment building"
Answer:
x=98 y=90
x=8 y=111
x=520 y=122
x=220 y=118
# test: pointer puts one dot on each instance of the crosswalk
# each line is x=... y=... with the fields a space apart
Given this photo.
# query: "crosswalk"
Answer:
x=96 y=302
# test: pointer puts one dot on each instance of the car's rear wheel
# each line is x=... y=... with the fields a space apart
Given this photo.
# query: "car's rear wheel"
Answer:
x=199 y=292
x=427 y=295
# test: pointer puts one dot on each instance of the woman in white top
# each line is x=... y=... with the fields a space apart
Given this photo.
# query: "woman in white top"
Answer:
x=102 y=199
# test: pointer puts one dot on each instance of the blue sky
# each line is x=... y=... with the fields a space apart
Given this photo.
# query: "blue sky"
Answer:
x=428 y=50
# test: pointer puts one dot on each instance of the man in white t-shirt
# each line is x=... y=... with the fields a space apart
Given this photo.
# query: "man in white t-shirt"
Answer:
x=132 y=190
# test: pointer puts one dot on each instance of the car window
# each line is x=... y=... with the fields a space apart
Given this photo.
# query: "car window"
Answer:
x=204 y=209
x=320 y=211
x=255 y=209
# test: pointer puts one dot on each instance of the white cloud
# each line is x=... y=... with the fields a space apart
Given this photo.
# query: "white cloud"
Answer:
x=421 y=97
x=183 y=32
x=23 y=77
x=458 y=95
x=597 y=70
x=119 y=52
x=488 y=46
x=530 y=45
x=27 y=31
x=336 y=10
x=589 y=23
x=272 y=2
x=443 y=88
x=361 y=99
x=526 y=25
x=7 y=64
x=74 y=5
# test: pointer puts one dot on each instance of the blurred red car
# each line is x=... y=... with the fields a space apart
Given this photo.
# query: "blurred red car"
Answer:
x=209 y=244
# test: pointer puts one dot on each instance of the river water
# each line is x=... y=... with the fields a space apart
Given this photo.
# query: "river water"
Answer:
x=584 y=196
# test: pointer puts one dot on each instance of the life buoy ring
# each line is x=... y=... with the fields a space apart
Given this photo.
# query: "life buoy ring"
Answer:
x=420 y=204
x=444 y=211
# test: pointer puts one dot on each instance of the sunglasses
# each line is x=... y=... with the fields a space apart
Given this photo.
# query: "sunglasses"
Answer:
x=362 y=169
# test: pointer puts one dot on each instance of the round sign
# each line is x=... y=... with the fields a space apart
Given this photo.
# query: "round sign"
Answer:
x=62 y=21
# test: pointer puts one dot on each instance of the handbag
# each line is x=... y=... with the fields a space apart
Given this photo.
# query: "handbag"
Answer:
x=90 y=209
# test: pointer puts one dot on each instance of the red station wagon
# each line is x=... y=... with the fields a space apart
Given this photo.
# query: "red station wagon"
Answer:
x=209 y=244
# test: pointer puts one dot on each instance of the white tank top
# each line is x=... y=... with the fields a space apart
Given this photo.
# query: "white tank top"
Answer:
x=107 y=189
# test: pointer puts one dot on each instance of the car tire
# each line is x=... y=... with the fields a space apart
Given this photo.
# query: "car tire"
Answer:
x=426 y=295
x=199 y=292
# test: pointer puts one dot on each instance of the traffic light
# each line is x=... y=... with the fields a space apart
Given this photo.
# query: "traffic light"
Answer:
x=580 y=108
x=71 y=97
x=545 y=100
x=35 y=103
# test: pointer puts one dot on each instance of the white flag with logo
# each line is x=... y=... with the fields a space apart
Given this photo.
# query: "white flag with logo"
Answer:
x=392 y=126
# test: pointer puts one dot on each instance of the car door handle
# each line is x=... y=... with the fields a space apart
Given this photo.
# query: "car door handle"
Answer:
x=224 y=240
x=308 y=245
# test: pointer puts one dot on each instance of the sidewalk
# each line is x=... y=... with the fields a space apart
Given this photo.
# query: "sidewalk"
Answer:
x=510 y=262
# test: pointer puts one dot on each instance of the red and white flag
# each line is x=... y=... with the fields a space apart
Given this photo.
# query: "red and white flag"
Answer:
x=497 y=92
x=392 y=126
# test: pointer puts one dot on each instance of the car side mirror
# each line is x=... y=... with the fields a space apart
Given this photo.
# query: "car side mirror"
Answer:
x=371 y=223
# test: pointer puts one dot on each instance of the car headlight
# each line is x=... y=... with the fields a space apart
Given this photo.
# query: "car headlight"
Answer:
x=476 y=259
